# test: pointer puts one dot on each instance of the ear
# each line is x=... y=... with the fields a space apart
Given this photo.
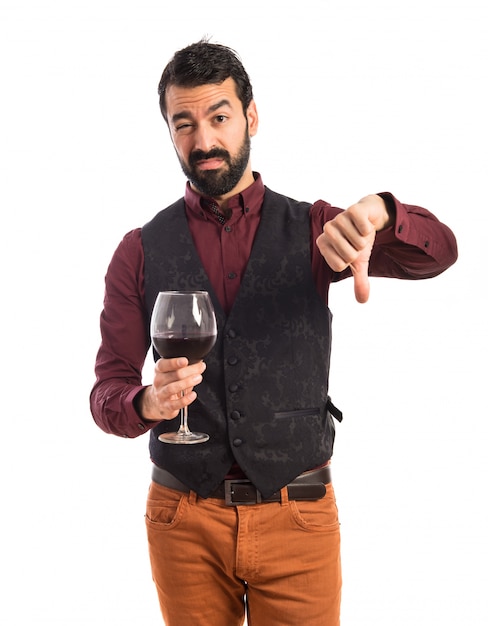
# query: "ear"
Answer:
x=252 y=118
x=170 y=134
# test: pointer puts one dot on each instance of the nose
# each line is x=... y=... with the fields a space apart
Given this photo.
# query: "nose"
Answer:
x=204 y=138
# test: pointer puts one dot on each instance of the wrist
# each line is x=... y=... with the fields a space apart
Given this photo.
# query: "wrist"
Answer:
x=389 y=210
x=143 y=405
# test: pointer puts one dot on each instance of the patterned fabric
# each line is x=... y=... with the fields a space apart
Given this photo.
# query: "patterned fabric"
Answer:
x=263 y=399
x=212 y=206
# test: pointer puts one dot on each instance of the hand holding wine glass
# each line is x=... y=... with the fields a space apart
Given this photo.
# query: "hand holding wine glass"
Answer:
x=183 y=324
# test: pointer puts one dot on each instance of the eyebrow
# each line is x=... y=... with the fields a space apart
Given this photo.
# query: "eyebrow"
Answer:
x=187 y=115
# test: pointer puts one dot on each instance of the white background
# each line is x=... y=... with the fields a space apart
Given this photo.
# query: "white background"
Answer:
x=354 y=97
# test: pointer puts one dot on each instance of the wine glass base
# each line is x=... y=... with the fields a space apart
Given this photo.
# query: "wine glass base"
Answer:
x=183 y=437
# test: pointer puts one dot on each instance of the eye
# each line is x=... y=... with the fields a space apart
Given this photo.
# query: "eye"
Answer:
x=184 y=128
x=221 y=118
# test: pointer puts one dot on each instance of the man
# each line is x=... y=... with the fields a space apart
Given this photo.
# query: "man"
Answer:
x=246 y=521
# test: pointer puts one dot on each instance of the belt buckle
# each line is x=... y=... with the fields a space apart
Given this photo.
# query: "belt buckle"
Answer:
x=232 y=500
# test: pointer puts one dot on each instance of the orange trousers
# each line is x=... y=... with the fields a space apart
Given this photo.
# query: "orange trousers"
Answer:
x=213 y=564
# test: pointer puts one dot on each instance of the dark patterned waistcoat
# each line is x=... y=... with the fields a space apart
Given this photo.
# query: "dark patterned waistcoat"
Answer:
x=263 y=399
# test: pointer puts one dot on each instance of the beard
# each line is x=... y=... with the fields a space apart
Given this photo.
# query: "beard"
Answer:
x=216 y=183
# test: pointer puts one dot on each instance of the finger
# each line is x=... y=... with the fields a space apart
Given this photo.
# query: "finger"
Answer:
x=170 y=407
x=176 y=388
x=342 y=240
x=361 y=282
x=170 y=365
x=167 y=370
x=183 y=398
x=333 y=253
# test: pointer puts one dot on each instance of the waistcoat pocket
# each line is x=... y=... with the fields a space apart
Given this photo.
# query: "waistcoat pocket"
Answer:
x=297 y=413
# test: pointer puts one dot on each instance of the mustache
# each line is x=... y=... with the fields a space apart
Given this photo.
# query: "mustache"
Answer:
x=214 y=153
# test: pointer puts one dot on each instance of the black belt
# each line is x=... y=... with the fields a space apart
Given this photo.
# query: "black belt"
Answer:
x=308 y=486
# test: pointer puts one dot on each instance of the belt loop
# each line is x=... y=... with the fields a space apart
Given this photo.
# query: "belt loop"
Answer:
x=284 y=496
x=192 y=497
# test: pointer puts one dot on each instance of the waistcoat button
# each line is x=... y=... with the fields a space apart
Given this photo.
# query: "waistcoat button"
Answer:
x=231 y=333
x=232 y=360
x=238 y=442
x=235 y=415
x=233 y=388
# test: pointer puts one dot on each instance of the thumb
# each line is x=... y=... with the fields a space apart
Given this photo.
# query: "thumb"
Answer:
x=361 y=280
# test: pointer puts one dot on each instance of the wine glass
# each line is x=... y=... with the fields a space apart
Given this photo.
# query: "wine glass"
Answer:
x=183 y=324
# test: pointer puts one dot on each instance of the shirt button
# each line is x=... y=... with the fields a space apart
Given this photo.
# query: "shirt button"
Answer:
x=231 y=275
x=426 y=244
x=400 y=228
x=141 y=427
x=228 y=229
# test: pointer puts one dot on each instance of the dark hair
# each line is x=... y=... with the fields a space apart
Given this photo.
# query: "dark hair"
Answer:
x=204 y=63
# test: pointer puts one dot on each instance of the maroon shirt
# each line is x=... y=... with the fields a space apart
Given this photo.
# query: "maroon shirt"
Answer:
x=417 y=246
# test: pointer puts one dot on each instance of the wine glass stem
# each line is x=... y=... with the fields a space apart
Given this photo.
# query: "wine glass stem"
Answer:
x=184 y=419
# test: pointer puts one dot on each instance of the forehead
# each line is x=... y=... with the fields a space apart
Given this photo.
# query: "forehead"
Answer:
x=201 y=99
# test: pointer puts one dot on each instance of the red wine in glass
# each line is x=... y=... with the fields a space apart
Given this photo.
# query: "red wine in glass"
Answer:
x=195 y=348
x=183 y=324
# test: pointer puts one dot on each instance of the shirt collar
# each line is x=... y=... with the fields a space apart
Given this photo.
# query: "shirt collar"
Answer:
x=249 y=200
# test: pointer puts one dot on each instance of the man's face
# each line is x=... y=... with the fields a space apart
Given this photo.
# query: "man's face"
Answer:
x=211 y=136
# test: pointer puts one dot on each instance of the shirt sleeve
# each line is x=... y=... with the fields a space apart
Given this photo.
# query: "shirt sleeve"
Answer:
x=125 y=342
x=417 y=246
